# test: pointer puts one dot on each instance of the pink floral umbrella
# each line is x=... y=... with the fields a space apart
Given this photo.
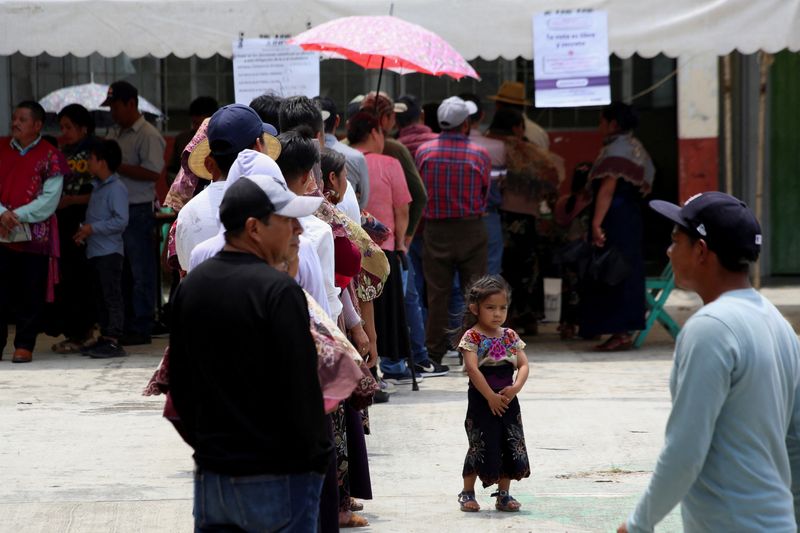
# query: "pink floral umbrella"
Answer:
x=380 y=42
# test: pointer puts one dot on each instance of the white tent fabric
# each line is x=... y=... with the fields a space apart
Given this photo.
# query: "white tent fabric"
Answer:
x=476 y=28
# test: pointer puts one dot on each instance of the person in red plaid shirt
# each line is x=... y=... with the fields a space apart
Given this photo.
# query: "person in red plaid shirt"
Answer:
x=455 y=172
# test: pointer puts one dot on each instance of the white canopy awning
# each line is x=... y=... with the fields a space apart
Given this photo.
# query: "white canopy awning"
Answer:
x=476 y=28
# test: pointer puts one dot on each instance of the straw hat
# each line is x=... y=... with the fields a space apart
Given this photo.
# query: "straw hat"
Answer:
x=511 y=92
x=197 y=157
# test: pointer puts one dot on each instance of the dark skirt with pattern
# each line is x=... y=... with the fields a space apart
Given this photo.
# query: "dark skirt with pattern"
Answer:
x=352 y=463
x=527 y=258
x=390 y=314
x=496 y=443
x=621 y=308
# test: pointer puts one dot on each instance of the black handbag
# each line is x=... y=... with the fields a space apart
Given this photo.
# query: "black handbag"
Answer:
x=608 y=266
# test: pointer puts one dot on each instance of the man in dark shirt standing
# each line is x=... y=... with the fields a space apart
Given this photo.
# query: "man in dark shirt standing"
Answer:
x=243 y=371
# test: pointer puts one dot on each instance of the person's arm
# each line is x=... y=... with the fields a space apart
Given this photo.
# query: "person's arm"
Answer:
x=43 y=205
x=351 y=317
x=363 y=183
x=400 y=226
x=522 y=376
x=793 y=438
x=138 y=173
x=368 y=314
x=352 y=323
x=401 y=197
x=602 y=203
x=419 y=197
x=324 y=247
x=497 y=402
x=73 y=199
x=151 y=154
x=118 y=220
x=310 y=276
x=705 y=356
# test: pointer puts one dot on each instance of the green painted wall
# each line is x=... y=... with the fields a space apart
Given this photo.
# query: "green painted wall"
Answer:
x=784 y=94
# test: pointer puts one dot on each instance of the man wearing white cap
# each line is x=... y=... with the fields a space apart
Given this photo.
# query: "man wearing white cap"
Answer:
x=230 y=382
x=456 y=173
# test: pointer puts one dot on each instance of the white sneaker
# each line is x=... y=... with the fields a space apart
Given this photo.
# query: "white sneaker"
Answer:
x=452 y=353
x=400 y=379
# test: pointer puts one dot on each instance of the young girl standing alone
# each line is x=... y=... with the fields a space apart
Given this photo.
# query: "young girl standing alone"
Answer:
x=497 y=452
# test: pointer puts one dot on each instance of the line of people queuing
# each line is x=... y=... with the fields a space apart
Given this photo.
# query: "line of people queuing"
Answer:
x=399 y=230
x=303 y=259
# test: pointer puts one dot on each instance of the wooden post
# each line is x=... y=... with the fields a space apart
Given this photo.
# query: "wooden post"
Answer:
x=728 y=132
x=765 y=61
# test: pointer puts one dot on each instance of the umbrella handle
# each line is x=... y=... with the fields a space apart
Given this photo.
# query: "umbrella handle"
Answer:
x=380 y=75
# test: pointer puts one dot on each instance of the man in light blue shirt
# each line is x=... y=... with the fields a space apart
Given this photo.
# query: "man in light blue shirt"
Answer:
x=731 y=441
x=106 y=220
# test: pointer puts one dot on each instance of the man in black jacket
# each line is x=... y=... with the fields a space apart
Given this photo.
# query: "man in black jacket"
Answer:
x=243 y=371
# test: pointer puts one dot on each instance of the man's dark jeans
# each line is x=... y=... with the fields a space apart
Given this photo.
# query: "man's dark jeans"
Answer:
x=141 y=257
x=23 y=288
x=286 y=503
x=108 y=294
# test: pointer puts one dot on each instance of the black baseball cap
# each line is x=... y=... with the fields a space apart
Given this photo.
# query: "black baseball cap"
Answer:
x=725 y=223
x=120 y=90
x=413 y=109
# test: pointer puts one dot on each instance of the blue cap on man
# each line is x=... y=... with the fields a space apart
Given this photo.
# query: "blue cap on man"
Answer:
x=234 y=128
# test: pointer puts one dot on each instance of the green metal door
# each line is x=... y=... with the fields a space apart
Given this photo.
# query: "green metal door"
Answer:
x=784 y=94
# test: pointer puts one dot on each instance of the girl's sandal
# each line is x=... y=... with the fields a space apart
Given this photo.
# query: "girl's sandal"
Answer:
x=467 y=501
x=505 y=502
x=353 y=520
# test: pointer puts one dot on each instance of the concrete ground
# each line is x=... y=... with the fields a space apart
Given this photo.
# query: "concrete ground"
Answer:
x=82 y=451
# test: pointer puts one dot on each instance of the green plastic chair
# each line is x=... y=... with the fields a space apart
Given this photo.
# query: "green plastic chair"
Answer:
x=656 y=292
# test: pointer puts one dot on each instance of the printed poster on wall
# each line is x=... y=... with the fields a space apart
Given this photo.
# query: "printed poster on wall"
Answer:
x=570 y=58
x=273 y=66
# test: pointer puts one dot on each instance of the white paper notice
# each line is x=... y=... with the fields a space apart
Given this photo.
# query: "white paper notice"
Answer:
x=570 y=58
x=272 y=66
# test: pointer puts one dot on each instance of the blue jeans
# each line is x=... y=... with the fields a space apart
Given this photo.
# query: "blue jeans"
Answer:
x=287 y=503
x=416 y=323
x=415 y=254
x=457 y=305
x=495 y=230
x=141 y=256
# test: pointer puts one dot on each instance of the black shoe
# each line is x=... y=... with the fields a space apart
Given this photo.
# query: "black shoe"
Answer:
x=431 y=369
x=380 y=397
x=106 y=349
x=134 y=339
